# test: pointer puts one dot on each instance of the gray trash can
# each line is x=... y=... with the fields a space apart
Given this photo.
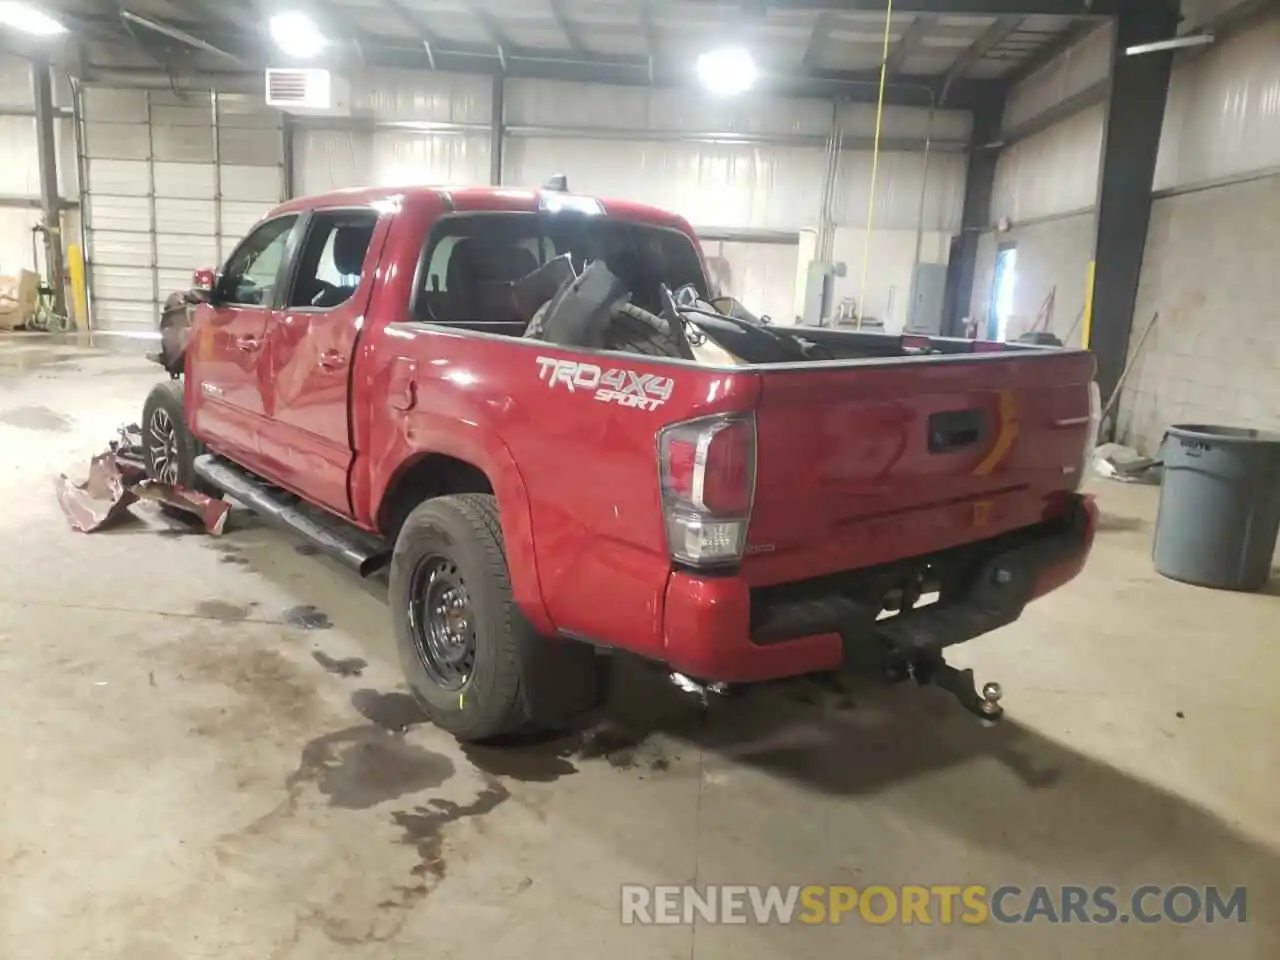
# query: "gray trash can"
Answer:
x=1219 y=506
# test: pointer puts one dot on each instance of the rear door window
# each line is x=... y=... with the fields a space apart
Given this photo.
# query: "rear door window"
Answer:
x=331 y=264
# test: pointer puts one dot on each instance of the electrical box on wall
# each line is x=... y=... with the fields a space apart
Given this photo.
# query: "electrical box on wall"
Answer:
x=310 y=92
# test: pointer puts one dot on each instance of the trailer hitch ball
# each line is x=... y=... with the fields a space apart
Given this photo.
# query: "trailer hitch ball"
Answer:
x=989 y=706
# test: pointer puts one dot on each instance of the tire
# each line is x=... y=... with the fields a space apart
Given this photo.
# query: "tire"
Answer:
x=170 y=461
x=499 y=676
x=635 y=330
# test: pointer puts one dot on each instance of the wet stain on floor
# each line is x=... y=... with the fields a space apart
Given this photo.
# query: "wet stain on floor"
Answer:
x=423 y=828
x=529 y=761
x=307 y=550
x=36 y=418
x=545 y=760
x=390 y=711
x=221 y=610
x=361 y=767
x=306 y=617
x=345 y=667
x=229 y=553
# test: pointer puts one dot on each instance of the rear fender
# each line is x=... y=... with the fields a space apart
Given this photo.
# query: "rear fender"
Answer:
x=420 y=433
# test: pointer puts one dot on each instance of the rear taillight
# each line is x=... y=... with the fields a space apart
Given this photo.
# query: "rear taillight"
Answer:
x=708 y=474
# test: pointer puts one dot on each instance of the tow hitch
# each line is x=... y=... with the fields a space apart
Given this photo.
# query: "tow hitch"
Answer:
x=932 y=669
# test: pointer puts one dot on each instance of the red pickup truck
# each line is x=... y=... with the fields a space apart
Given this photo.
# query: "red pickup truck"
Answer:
x=360 y=371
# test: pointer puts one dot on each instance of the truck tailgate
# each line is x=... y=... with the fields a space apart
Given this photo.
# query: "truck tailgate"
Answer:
x=861 y=463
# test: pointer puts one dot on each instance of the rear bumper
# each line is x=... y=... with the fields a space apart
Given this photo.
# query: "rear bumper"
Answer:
x=719 y=629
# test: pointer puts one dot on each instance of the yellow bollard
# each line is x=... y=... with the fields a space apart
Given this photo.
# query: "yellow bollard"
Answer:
x=80 y=296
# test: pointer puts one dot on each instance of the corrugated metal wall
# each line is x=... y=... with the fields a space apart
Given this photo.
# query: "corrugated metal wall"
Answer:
x=1210 y=263
x=1046 y=185
x=413 y=127
x=173 y=180
x=734 y=168
x=20 y=168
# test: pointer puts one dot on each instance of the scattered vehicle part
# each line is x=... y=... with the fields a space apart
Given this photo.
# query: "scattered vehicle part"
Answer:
x=117 y=478
x=99 y=500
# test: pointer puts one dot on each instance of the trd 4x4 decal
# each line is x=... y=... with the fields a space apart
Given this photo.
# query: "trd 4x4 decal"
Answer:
x=626 y=388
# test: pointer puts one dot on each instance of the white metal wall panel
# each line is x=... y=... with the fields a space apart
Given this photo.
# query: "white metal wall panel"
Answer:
x=1053 y=172
x=890 y=259
x=722 y=185
x=117 y=141
x=20 y=168
x=193 y=180
x=168 y=196
x=419 y=95
x=129 y=178
x=946 y=125
x=15 y=81
x=124 y=106
x=15 y=238
x=553 y=103
x=900 y=177
x=261 y=185
x=761 y=275
x=333 y=159
x=1072 y=71
x=119 y=213
x=1223 y=113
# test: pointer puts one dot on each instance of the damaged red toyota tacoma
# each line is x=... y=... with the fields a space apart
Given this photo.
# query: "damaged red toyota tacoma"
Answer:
x=529 y=406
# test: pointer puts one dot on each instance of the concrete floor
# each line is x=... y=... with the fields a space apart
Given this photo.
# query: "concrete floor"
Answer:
x=188 y=774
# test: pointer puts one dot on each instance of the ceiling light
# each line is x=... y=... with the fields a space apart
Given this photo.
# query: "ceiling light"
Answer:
x=27 y=19
x=727 y=71
x=1178 y=43
x=297 y=35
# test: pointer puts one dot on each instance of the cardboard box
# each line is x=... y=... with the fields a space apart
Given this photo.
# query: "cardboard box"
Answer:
x=18 y=296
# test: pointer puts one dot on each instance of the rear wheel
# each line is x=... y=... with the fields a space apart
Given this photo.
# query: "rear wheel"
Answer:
x=474 y=663
x=169 y=447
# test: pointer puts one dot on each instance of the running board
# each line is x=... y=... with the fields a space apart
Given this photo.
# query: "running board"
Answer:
x=344 y=542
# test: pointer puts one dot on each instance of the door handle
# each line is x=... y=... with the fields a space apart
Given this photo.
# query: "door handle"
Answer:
x=332 y=360
x=248 y=344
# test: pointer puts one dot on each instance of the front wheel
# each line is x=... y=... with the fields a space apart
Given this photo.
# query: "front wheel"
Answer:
x=472 y=660
x=170 y=449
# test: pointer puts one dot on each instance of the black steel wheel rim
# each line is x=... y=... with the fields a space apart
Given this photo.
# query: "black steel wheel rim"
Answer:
x=442 y=622
x=162 y=444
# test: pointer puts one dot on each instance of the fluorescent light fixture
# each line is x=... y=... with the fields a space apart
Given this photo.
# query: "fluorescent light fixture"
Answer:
x=1177 y=43
x=27 y=19
x=297 y=35
x=728 y=71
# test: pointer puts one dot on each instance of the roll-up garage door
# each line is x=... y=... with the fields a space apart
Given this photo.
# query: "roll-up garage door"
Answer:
x=173 y=180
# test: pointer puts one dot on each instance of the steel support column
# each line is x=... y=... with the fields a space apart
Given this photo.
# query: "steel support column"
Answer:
x=50 y=202
x=497 y=129
x=1135 y=115
x=984 y=151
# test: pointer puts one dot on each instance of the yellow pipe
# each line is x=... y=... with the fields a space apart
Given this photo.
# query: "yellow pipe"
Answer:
x=1087 y=329
x=875 y=164
x=79 y=295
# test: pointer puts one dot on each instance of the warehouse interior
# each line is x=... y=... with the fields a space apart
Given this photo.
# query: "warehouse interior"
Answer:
x=208 y=749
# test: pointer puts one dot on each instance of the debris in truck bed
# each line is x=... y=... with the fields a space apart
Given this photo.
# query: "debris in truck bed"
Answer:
x=117 y=479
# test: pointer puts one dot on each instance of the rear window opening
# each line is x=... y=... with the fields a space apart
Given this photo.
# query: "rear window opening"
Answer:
x=471 y=261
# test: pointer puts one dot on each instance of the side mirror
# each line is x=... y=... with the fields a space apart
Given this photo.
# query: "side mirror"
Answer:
x=203 y=283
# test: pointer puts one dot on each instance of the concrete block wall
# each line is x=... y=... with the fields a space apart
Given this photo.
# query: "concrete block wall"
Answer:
x=1053 y=253
x=1211 y=270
